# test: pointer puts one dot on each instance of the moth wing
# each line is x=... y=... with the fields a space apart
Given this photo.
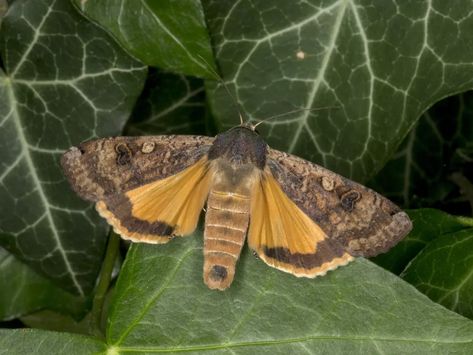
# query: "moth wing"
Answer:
x=284 y=237
x=363 y=222
x=101 y=168
x=154 y=212
x=148 y=188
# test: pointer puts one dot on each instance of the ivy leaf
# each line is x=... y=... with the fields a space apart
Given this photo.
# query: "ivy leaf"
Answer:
x=429 y=224
x=3 y=9
x=50 y=320
x=29 y=341
x=436 y=148
x=376 y=66
x=161 y=305
x=24 y=291
x=169 y=104
x=167 y=34
x=444 y=271
x=65 y=81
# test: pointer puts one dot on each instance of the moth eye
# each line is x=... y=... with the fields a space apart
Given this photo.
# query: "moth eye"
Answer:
x=349 y=199
x=327 y=183
x=147 y=147
x=123 y=154
x=218 y=273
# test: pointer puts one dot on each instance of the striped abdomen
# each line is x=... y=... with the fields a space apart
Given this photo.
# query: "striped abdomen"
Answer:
x=226 y=224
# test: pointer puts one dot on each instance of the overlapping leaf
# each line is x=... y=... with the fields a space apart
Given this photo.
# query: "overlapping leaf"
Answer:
x=429 y=224
x=377 y=65
x=3 y=9
x=162 y=305
x=420 y=173
x=60 y=322
x=24 y=291
x=444 y=271
x=65 y=81
x=28 y=341
x=168 y=34
x=169 y=104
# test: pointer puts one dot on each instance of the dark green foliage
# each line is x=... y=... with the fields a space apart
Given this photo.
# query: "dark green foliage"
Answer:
x=376 y=68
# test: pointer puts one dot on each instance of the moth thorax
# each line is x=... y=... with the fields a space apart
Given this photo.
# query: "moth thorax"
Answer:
x=226 y=223
x=239 y=146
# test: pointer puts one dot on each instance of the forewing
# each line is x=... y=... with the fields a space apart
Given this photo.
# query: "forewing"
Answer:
x=284 y=237
x=101 y=168
x=363 y=222
x=148 y=188
x=157 y=211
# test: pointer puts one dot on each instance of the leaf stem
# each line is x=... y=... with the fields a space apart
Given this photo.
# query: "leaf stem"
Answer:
x=104 y=281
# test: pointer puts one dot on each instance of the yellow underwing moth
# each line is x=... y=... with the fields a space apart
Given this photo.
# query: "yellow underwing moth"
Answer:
x=298 y=217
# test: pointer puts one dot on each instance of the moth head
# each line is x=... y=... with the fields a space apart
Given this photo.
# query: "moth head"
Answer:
x=240 y=145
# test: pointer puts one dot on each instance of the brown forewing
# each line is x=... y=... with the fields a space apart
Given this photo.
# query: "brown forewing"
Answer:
x=101 y=168
x=362 y=221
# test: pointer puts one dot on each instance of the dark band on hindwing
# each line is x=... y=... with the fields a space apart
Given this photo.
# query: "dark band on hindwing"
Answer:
x=121 y=208
x=325 y=252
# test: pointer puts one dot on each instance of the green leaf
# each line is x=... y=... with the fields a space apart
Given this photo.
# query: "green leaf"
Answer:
x=169 y=104
x=162 y=305
x=49 y=320
x=437 y=147
x=24 y=291
x=3 y=9
x=378 y=65
x=429 y=224
x=166 y=33
x=444 y=271
x=28 y=341
x=65 y=81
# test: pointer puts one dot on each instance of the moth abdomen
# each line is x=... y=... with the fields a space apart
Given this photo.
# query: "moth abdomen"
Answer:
x=226 y=223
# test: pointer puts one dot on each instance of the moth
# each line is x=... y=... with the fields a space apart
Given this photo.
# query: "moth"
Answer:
x=298 y=216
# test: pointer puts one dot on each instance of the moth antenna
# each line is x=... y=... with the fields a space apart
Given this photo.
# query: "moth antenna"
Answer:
x=220 y=79
x=291 y=112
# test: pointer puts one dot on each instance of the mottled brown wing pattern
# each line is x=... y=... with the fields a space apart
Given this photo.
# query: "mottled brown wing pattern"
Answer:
x=148 y=188
x=363 y=222
x=100 y=168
